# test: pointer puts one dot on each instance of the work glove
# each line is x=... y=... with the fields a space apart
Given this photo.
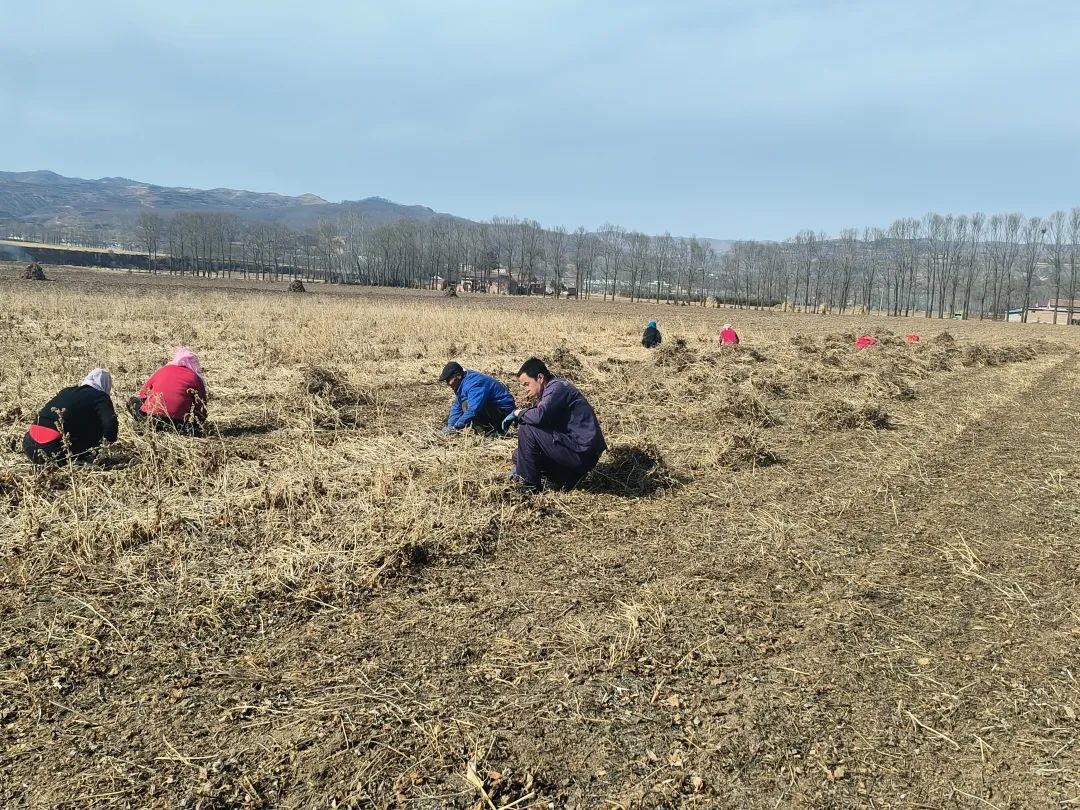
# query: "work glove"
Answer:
x=448 y=430
x=509 y=420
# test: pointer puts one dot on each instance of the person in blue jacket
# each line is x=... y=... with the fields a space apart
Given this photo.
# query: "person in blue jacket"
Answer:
x=480 y=401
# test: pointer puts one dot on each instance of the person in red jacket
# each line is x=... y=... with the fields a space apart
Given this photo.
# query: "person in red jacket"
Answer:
x=728 y=336
x=865 y=341
x=175 y=395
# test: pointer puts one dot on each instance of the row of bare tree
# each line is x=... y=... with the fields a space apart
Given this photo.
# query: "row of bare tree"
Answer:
x=937 y=265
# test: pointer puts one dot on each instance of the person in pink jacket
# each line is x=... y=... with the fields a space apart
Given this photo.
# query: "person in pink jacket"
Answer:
x=175 y=395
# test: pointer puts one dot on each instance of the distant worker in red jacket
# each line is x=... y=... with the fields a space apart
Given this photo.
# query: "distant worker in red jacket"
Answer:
x=728 y=336
x=174 y=396
x=912 y=339
x=864 y=341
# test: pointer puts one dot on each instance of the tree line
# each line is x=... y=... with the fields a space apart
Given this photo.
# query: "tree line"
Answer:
x=936 y=265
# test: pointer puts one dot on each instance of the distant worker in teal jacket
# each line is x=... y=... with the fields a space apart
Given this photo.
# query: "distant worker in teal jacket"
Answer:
x=480 y=401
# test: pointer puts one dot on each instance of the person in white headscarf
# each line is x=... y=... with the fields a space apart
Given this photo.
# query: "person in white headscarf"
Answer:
x=174 y=396
x=74 y=423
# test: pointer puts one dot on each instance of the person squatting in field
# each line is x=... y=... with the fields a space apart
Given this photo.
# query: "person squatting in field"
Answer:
x=728 y=336
x=559 y=438
x=651 y=338
x=480 y=401
x=174 y=396
x=74 y=422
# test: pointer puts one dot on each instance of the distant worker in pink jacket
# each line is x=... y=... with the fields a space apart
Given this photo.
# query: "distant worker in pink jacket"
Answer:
x=174 y=396
x=865 y=341
x=728 y=336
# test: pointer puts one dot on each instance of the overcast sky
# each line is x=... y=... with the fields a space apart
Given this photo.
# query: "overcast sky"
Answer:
x=725 y=119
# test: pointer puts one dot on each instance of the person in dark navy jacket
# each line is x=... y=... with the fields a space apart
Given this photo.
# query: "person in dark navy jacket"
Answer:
x=651 y=337
x=559 y=438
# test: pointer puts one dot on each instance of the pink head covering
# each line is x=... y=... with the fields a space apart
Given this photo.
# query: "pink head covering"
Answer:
x=186 y=357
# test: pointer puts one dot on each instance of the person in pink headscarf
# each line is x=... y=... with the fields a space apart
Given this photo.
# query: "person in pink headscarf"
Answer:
x=175 y=395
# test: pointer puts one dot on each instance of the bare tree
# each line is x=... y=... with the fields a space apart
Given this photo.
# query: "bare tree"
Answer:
x=1034 y=234
x=556 y=256
x=1074 y=247
x=613 y=239
x=638 y=249
x=150 y=226
x=663 y=252
x=1055 y=227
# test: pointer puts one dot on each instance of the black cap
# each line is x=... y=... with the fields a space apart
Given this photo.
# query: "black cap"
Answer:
x=451 y=369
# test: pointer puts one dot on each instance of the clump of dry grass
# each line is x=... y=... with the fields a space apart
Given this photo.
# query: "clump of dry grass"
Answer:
x=842 y=414
x=744 y=353
x=565 y=363
x=933 y=358
x=631 y=470
x=33 y=272
x=839 y=340
x=982 y=355
x=296 y=286
x=834 y=357
x=944 y=338
x=768 y=384
x=887 y=337
x=979 y=355
x=743 y=448
x=674 y=355
x=327 y=384
x=1017 y=353
x=747 y=406
x=333 y=401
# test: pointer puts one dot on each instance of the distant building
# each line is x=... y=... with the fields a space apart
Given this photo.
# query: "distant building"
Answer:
x=1045 y=314
x=497 y=281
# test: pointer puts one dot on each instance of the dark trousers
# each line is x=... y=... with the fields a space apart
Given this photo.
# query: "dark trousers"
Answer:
x=53 y=451
x=489 y=421
x=541 y=454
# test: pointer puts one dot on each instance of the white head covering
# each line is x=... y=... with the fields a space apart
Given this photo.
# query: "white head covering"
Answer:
x=100 y=379
x=727 y=325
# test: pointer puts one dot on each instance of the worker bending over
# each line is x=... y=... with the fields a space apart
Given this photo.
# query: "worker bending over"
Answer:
x=480 y=401
x=651 y=338
x=74 y=422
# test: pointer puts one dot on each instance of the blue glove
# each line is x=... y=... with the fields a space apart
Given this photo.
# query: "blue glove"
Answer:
x=509 y=420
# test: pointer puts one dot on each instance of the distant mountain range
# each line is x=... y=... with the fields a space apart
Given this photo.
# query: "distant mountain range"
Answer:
x=44 y=197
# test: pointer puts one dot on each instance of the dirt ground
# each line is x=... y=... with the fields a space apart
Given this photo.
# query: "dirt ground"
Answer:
x=803 y=576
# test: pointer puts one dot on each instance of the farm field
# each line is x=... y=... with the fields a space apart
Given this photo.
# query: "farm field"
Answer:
x=801 y=577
